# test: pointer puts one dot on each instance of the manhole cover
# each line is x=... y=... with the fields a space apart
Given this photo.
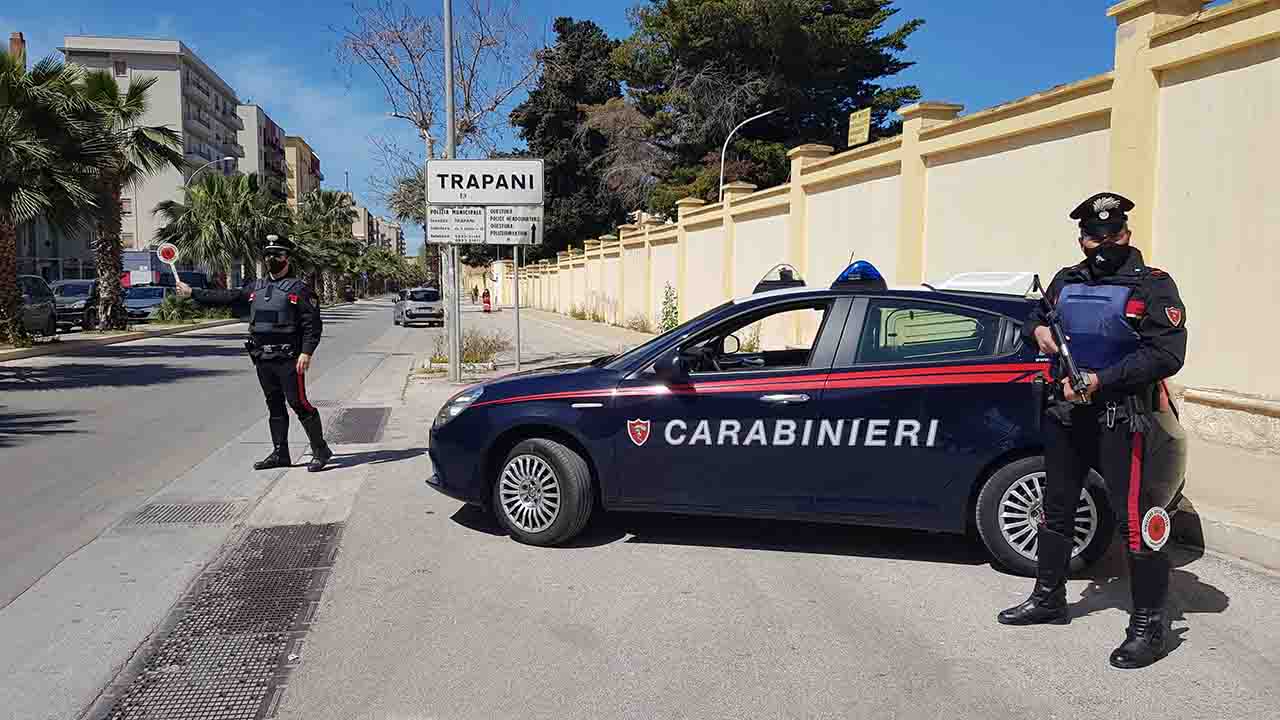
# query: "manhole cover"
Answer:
x=360 y=425
x=282 y=583
x=262 y=558
x=204 y=512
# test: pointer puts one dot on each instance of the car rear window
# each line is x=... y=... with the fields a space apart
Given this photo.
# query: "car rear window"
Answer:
x=912 y=331
x=72 y=290
x=145 y=293
x=424 y=296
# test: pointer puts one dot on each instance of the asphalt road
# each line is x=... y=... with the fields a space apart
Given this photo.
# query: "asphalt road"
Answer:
x=85 y=438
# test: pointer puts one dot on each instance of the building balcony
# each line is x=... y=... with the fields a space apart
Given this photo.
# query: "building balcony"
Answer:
x=234 y=148
x=197 y=93
x=193 y=126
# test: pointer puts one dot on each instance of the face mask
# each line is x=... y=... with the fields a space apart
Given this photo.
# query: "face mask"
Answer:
x=276 y=265
x=1107 y=257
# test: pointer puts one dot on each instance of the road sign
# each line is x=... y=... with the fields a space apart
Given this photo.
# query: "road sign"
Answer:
x=859 y=126
x=455 y=224
x=513 y=224
x=484 y=182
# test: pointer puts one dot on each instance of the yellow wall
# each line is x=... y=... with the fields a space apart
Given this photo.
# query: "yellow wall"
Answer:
x=1218 y=221
x=1187 y=124
x=1003 y=205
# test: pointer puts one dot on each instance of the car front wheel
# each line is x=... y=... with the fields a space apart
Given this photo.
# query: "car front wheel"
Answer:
x=1010 y=509
x=542 y=494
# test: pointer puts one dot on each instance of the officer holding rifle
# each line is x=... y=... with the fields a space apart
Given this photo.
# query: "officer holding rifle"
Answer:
x=1123 y=325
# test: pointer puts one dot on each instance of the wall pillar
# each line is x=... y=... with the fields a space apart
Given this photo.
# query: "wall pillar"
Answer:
x=1135 y=109
x=684 y=206
x=733 y=193
x=798 y=210
x=914 y=186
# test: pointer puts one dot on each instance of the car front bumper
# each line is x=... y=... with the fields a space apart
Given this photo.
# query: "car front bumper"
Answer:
x=455 y=471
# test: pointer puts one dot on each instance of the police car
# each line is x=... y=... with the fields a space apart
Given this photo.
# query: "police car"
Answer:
x=911 y=407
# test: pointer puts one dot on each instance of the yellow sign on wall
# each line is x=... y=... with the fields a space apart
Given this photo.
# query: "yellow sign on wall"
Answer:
x=859 y=126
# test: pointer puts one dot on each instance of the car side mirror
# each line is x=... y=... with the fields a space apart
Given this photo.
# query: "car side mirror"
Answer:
x=672 y=369
x=730 y=341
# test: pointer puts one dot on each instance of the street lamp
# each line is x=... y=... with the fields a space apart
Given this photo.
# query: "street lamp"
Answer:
x=726 y=144
x=211 y=162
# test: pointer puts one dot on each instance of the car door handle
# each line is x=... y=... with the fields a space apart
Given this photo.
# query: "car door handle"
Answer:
x=785 y=399
x=753 y=361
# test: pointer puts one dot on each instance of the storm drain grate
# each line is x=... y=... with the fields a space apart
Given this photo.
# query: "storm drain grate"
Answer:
x=227 y=648
x=360 y=425
x=205 y=512
x=263 y=558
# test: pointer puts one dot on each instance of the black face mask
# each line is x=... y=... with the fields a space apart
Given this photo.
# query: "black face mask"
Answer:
x=1107 y=258
x=276 y=265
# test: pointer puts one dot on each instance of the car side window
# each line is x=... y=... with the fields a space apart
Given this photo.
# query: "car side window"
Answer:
x=905 y=330
x=778 y=339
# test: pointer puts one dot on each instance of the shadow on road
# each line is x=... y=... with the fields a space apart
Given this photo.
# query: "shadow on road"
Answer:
x=774 y=535
x=15 y=427
x=1108 y=589
x=79 y=375
x=374 y=457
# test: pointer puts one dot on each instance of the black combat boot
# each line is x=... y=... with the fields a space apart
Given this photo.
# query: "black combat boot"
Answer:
x=1048 y=601
x=320 y=452
x=279 y=456
x=1146 y=638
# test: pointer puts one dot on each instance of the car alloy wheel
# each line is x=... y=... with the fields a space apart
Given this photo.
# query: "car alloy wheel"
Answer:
x=530 y=493
x=1022 y=512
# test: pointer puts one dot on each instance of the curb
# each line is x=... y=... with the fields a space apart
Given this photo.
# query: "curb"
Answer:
x=466 y=367
x=72 y=346
x=1228 y=533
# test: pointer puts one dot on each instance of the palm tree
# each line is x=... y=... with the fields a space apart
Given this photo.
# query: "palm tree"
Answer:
x=137 y=152
x=324 y=237
x=223 y=220
x=49 y=160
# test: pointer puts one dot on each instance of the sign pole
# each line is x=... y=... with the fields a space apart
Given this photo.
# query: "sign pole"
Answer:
x=455 y=308
x=515 y=259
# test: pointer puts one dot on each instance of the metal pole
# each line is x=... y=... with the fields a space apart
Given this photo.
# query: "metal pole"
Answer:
x=726 y=145
x=455 y=321
x=515 y=258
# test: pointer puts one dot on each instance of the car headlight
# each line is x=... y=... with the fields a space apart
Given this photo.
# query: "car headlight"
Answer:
x=457 y=404
x=77 y=305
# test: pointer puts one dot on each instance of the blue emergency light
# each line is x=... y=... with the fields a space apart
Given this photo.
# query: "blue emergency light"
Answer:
x=860 y=275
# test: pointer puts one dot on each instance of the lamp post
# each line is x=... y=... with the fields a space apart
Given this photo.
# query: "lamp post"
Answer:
x=211 y=162
x=724 y=149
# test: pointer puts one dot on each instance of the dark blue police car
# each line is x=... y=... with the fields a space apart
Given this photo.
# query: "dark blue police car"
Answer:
x=906 y=407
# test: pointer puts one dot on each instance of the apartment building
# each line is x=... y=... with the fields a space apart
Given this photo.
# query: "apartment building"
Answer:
x=303 y=168
x=394 y=235
x=188 y=96
x=366 y=227
x=263 y=141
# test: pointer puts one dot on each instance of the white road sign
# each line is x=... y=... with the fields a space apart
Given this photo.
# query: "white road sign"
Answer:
x=455 y=224
x=513 y=224
x=484 y=182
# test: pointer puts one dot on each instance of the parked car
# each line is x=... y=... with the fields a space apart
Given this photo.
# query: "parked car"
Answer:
x=349 y=294
x=420 y=304
x=77 y=302
x=912 y=407
x=39 y=308
x=142 y=301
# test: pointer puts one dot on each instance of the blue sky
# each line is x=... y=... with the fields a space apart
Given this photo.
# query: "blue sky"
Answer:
x=281 y=55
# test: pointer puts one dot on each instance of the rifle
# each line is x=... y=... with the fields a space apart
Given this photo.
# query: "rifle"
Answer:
x=1066 y=360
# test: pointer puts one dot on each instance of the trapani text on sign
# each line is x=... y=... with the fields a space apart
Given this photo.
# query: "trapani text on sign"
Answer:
x=484 y=182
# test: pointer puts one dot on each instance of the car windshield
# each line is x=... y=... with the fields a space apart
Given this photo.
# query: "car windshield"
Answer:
x=424 y=295
x=144 y=293
x=681 y=329
x=72 y=290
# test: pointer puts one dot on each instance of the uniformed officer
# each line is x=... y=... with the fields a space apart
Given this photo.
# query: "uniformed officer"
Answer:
x=284 y=330
x=1126 y=326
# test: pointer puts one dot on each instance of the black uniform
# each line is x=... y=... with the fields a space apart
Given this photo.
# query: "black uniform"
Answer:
x=284 y=323
x=1125 y=322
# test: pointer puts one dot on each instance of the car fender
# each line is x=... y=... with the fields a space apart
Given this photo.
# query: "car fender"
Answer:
x=507 y=425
